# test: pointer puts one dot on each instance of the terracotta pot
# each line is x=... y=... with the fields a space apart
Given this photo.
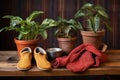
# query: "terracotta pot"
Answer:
x=20 y=44
x=93 y=38
x=67 y=44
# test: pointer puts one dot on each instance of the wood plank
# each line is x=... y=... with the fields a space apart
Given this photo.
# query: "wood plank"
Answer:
x=8 y=68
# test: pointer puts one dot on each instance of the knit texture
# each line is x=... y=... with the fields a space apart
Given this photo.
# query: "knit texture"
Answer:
x=81 y=58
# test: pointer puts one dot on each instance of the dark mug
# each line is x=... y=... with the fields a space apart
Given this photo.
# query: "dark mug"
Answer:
x=54 y=53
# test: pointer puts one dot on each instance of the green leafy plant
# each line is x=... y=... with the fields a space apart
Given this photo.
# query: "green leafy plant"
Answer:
x=66 y=28
x=29 y=29
x=95 y=16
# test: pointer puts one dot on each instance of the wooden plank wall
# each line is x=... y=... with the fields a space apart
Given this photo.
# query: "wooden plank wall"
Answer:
x=53 y=9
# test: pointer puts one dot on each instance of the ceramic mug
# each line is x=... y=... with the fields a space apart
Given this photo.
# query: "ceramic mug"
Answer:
x=54 y=53
x=103 y=47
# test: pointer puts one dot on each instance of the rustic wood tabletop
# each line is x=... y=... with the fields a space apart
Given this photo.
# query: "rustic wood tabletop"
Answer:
x=8 y=61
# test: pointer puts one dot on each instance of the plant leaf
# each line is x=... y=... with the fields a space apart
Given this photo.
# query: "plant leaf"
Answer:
x=97 y=22
x=97 y=7
x=33 y=15
x=67 y=29
x=103 y=13
x=44 y=34
x=108 y=26
x=8 y=16
x=48 y=23
x=57 y=31
x=91 y=23
x=79 y=26
x=75 y=24
x=20 y=36
x=79 y=14
x=15 y=21
x=87 y=5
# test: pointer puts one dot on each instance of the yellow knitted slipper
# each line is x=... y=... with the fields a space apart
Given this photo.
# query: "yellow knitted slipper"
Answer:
x=40 y=56
x=25 y=59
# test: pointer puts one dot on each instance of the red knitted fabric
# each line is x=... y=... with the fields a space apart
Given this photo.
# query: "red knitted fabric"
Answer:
x=81 y=58
x=74 y=54
x=84 y=62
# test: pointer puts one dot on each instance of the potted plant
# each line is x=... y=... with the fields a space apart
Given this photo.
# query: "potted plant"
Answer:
x=28 y=29
x=96 y=19
x=66 y=33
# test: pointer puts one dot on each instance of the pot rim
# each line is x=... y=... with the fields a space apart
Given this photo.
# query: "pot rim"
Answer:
x=66 y=39
x=26 y=41
x=92 y=33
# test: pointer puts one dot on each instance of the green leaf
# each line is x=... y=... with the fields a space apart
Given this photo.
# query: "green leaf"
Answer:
x=103 y=13
x=2 y=29
x=8 y=16
x=67 y=29
x=108 y=26
x=79 y=26
x=46 y=21
x=56 y=32
x=79 y=14
x=44 y=34
x=87 y=5
x=25 y=32
x=33 y=15
x=74 y=24
x=15 y=21
x=20 y=36
x=97 y=22
x=91 y=23
x=52 y=23
x=62 y=21
x=97 y=7
x=49 y=23
x=13 y=17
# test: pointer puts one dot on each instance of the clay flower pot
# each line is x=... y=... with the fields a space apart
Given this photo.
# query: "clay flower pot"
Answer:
x=20 y=44
x=67 y=44
x=93 y=38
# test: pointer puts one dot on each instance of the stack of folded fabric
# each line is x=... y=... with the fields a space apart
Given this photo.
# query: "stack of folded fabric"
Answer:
x=81 y=58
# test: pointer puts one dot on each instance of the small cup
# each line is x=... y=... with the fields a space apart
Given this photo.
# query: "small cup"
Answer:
x=103 y=47
x=54 y=53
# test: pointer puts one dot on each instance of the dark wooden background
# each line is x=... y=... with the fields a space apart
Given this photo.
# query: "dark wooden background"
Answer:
x=53 y=9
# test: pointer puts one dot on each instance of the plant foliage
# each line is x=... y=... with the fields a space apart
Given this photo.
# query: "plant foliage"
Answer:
x=66 y=28
x=29 y=29
x=95 y=15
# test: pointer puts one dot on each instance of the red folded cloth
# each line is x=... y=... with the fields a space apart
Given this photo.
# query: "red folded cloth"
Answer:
x=74 y=54
x=81 y=58
x=84 y=62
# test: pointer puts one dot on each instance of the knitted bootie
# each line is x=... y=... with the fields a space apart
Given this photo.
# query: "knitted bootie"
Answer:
x=25 y=59
x=40 y=56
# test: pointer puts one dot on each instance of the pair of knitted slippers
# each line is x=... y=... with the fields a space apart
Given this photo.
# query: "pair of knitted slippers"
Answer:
x=40 y=57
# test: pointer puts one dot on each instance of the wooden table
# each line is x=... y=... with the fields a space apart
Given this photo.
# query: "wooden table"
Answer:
x=8 y=60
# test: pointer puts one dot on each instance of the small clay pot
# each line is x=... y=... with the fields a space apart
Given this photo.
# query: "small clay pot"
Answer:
x=67 y=44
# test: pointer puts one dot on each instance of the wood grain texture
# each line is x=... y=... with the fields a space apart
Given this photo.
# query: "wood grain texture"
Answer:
x=8 y=67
